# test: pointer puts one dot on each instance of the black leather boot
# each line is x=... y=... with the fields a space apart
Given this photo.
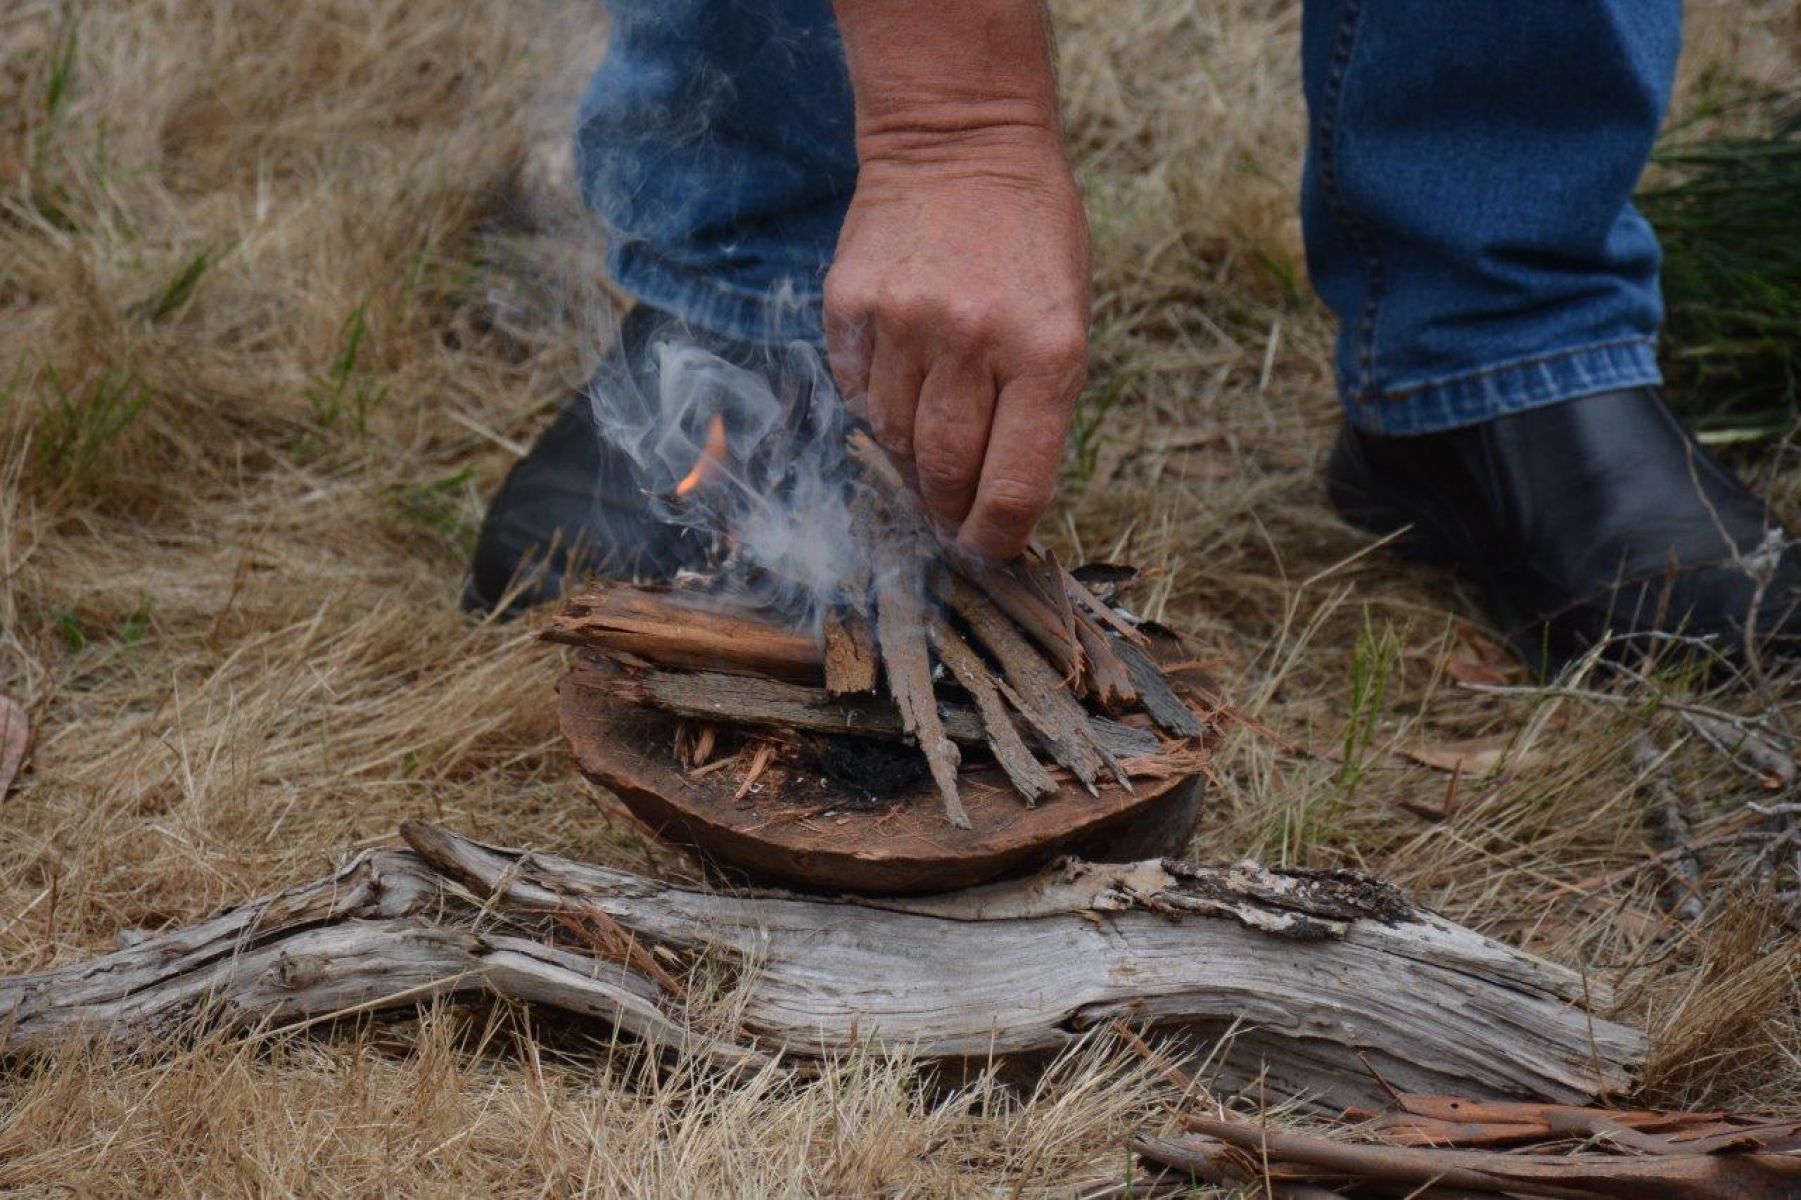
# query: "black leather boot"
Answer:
x=1599 y=518
x=577 y=504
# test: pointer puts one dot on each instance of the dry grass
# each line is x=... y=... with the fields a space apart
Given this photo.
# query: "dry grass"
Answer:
x=279 y=284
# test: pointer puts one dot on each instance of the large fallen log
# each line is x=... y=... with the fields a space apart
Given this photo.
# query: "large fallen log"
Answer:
x=1326 y=980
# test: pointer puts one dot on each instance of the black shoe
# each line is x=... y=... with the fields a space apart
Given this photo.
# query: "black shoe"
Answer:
x=1598 y=519
x=579 y=504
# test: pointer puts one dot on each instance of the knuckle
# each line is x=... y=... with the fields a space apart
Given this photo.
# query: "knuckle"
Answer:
x=973 y=320
x=943 y=471
x=1063 y=352
x=1015 y=502
x=894 y=435
x=848 y=297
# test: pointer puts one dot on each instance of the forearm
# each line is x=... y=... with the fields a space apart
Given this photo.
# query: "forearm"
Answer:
x=929 y=75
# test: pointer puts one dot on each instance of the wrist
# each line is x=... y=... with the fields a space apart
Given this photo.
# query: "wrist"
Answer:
x=942 y=76
x=998 y=134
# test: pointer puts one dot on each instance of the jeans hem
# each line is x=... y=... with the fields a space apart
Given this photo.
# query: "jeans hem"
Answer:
x=783 y=313
x=1473 y=397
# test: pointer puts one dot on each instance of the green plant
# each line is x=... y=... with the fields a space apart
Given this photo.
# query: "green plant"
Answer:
x=1090 y=418
x=178 y=291
x=1315 y=820
x=1372 y=663
x=76 y=436
x=69 y=628
x=436 y=506
x=345 y=390
x=61 y=80
x=1732 y=276
x=136 y=625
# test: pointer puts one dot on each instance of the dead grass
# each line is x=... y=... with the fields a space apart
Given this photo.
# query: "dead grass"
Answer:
x=279 y=284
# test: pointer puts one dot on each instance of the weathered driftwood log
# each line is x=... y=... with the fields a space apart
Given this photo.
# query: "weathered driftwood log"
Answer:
x=1325 y=979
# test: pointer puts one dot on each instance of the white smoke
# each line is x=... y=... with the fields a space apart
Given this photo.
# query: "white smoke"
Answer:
x=779 y=500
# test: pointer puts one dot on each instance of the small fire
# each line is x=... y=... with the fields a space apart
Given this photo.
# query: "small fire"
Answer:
x=711 y=460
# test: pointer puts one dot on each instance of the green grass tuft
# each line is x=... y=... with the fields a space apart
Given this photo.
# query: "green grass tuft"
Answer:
x=1732 y=277
x=78 y=433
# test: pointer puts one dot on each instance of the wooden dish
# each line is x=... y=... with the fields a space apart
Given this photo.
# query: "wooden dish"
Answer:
x=802 y=829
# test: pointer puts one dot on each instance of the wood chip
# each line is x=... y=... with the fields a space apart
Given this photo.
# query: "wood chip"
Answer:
x=759 y=763
x=1028 y=776
x=850 y=653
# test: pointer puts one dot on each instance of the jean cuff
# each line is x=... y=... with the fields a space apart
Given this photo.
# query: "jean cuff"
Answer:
x=1472 y=397
x=785 y=312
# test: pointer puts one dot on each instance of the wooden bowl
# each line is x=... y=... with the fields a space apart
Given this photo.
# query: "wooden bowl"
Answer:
x=802 y=829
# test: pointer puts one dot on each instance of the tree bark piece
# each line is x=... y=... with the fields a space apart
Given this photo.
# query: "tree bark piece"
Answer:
x=900 y=632
x=1028 y=776
x=1018 y=968
x=852 y=662
x=1108 y=679
x=850 y=653
x=1040 y=695
x=1687 y=1176
x=673 y=630
x=1040 y=619
x=769 y=704
x=1154 y=690
x=1084 y=598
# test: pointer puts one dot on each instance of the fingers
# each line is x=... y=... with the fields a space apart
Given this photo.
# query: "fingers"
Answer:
x=972 y=396
x=849 y=345
x=894 y=380
x=1019 y=468
x=950 y=438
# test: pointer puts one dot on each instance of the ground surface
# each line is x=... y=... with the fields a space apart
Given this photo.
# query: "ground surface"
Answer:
x=282 y=290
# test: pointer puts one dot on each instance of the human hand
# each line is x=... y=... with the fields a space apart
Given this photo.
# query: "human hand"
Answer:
x=957 y=319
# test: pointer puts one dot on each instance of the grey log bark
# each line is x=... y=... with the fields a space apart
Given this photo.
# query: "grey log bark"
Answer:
x=1324 y=977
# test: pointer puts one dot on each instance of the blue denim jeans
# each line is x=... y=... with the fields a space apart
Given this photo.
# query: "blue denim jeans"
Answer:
x=1466 y=199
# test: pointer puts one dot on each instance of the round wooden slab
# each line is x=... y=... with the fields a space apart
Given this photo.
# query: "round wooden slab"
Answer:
x=798 y=827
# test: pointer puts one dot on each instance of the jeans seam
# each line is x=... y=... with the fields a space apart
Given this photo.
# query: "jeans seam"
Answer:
x=1518 y=364
x=1361 y=235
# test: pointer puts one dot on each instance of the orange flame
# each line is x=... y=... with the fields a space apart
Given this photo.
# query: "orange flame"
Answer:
x=712 y=457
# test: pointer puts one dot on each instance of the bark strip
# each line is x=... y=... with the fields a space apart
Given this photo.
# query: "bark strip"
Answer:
x=771 y=704
x=672 y=630
x=1154 y=691
x=1028 y=776
x=1036 y=689
x=900 y=629
x=1108 y=679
